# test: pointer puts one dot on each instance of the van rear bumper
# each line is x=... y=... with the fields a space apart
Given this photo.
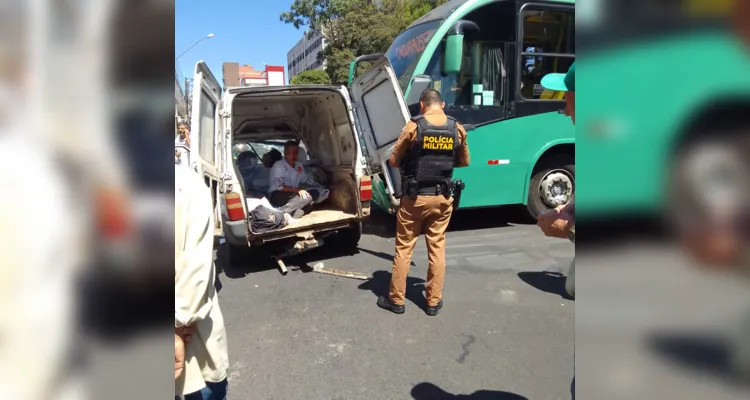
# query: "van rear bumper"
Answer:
x=235 y=233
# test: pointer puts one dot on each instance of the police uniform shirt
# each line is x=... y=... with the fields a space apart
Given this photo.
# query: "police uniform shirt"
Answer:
x=438 y=118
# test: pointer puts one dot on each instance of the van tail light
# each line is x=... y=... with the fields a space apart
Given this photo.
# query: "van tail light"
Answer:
x=234 y=206
x=113 y=215
x=365 y=188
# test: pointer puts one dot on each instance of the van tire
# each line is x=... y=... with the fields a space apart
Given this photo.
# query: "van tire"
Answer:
x=563 y=165
x=349 y=237
x=238 y=255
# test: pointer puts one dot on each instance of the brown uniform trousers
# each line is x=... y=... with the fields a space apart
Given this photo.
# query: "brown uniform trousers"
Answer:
x=425 y=214
x=429 y=215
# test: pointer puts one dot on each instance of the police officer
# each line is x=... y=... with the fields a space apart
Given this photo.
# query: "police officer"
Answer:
x=431 y=145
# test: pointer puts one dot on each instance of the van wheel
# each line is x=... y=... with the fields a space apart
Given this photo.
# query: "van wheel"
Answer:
x=349 y=237
x=552 y=184
x=238 y=255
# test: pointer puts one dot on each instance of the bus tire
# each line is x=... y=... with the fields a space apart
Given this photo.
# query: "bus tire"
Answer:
x=714 y=162
x=552 y=174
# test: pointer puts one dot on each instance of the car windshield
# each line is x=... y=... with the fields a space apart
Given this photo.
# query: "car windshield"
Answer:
x=407 y=49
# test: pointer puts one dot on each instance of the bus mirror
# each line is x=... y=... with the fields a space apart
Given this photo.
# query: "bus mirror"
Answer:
x=418 y=85
x=454 y=48
x=454 y=45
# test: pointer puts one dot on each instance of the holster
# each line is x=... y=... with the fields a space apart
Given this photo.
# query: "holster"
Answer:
x=410 y=188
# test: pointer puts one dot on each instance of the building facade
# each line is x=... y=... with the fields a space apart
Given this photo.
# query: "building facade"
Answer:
x=304 y=55
x=234 y=74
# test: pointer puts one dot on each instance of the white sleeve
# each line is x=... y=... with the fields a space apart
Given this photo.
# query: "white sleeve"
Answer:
x=194 y=273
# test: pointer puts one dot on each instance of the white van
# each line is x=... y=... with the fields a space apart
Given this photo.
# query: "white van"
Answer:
x=348 y=134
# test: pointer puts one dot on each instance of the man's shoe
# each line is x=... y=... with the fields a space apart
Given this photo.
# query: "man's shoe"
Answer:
x=433 y=310
x=386 y=304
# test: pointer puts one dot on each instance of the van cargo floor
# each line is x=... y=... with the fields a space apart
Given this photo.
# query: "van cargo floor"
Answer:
x=317 y=217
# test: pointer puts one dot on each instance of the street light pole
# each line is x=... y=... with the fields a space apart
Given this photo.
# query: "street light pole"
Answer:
x=209 y=36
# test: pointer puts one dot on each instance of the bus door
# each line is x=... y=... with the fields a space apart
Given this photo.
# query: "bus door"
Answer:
x=381 y=114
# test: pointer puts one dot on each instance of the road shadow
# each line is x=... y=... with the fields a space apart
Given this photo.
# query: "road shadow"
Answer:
x=380 y=254
x=429 y=391
x=255 y=260
x=380 y=224
x=616 y=230
x=546 y=281
x=380 y=282
x=383 y=225
x=698 y=352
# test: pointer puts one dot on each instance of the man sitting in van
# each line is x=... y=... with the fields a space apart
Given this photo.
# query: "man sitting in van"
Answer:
x=292 y=190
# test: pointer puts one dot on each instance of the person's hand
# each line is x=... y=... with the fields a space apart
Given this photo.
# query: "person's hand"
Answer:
x=185 y=332
x=303 y=194
x=565 y=208
x=556 y=224
x=712 y=247
x=177 y=153
x=179 y=356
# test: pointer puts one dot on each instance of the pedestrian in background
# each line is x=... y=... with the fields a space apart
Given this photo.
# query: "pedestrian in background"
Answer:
x=432 y=144
x=183 y=138
x=199 y=323
x=561 y=222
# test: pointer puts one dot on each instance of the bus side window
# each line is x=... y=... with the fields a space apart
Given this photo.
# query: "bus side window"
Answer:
x=548 y=46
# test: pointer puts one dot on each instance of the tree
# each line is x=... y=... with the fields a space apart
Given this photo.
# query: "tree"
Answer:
x=354 y=27
x=312 y=77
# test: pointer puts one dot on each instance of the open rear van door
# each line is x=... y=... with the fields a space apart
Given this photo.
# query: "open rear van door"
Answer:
x=204 y=134
x=382 y=114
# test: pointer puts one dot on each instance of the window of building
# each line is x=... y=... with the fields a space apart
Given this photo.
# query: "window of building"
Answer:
x=548 y=46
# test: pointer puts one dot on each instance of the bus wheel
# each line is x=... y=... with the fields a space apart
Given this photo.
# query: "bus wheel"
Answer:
x=709 y=178
x=552 y=184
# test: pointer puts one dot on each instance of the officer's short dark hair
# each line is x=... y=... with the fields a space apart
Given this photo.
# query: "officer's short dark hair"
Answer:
x=185 y=124
x=430 y=97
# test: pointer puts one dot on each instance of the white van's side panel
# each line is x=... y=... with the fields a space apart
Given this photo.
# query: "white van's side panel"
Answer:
x=361 y=163
x=205 y=123
x=382 y=114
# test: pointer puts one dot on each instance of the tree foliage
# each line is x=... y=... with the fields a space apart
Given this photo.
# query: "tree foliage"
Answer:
x=312 y=77
x=354 y=27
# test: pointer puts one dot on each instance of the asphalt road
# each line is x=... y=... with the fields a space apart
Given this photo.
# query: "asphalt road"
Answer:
x=506 y=331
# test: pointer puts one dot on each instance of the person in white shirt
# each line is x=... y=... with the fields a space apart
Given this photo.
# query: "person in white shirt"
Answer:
x=196 y=304
x=292 y=190
x=183 y=138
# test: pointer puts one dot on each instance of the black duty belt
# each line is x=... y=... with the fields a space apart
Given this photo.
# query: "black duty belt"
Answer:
x=434 y=190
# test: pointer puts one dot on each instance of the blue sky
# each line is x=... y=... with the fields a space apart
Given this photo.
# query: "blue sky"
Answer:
x=245 y=31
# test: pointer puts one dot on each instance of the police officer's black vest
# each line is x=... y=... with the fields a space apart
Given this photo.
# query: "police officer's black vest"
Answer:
x=431 y=158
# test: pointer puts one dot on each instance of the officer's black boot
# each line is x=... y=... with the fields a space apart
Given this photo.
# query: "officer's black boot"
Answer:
x=433 y=310
x=386 y=304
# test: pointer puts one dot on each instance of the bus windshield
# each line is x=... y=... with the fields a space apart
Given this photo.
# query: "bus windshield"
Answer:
x=406 y=50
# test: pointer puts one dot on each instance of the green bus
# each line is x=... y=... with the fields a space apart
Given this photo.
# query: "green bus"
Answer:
x=487 y=58
x=663 y=100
